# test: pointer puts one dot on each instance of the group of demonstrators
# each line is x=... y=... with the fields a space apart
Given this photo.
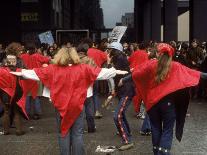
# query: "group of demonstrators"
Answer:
x=145 y=74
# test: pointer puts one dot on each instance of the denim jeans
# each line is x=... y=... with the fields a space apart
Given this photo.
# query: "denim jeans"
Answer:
x=1 y=110
x=96 y=100
x=162 y=118
x=89 y=110
x=72 y=143
x=121 y=121
x=33 y=105
x=146 y=127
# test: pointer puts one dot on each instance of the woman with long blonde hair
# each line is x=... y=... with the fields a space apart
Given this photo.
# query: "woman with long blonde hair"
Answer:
x=164 y=87
x=68 y=81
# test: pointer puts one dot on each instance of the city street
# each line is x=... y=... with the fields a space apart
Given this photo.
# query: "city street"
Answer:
x=41 y=135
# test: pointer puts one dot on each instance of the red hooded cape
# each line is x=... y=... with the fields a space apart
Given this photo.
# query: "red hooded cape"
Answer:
x=8 y=84
x=135 y=60
x=179 y=77
x=98 y=56
x=33 y=61
x=68 y=89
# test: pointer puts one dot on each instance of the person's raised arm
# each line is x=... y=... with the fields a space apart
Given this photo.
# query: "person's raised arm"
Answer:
x=27 y=74
x=109 y=73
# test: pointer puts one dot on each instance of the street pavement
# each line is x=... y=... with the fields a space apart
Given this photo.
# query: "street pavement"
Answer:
x=41 y=135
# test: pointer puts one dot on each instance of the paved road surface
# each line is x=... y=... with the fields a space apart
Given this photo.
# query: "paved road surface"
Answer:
x=42 y=140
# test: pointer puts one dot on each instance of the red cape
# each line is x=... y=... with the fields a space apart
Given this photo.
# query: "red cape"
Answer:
x=8 y=84
x=98 y=56
x=178 y=78
x=135 y=60
x=68 y=89
x=35 y=60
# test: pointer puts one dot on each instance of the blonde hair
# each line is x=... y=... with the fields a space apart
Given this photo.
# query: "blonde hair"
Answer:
x=163 y=67
x=66 y=56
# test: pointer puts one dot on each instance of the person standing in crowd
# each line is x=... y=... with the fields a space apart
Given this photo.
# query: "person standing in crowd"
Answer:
x=11 y=90
x=68 y=94
x=126 y=49
x=2 y=54
x=124 y=94
x=136 y=60
x=132 y=48
x=99 y=57
x=165 y=92
x=33 y=59
x=103 y=44
x=89 y=105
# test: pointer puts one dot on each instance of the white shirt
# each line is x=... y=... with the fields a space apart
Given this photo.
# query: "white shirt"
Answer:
x=104 y=74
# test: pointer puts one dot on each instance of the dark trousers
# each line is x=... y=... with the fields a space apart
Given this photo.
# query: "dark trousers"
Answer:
x=95 y=96
x=146 y=127
x=89 y=110
x=162 y=117
x=6 y=120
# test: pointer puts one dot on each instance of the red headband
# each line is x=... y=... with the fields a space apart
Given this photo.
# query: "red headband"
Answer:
x=165 y=48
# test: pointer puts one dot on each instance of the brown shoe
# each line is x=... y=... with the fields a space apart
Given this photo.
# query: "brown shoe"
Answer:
x=20 y=133
x=6 y=133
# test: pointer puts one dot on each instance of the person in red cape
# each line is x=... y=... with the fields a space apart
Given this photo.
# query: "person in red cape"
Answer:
x=135 y=60
x=164 y=87
x=11 y=90
x=34 y=59
x=68 y=86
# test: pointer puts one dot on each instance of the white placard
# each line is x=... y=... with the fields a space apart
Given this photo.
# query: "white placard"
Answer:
x=117 y=33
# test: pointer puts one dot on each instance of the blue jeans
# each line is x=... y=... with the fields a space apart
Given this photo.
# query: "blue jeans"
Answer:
x=96 y=100
x=162 y=118
x=72 y=143
x=89 y=110
x=33 y=105
x=146 y=127
x=121 y=121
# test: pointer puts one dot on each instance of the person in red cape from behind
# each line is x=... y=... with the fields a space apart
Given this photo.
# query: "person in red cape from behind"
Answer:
x=68 y=82
x=11 y=90
x=33 y=59
x=164 y=87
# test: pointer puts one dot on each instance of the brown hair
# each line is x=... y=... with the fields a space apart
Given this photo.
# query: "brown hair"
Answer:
x=66 y=56
x=14 y=48
x=164 y=64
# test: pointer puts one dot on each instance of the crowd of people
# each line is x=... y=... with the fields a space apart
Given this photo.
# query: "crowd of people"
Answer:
x=150 y=75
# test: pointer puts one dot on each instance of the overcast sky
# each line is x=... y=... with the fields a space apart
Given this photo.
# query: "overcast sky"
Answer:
x=114 y=9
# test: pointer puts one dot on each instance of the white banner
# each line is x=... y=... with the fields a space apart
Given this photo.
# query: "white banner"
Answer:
x=117 y=33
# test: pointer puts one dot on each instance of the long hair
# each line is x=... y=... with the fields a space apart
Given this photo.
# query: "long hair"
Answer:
x=66 y=56
x=163 y=67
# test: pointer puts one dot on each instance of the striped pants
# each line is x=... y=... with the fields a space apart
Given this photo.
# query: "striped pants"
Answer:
x=121 y=121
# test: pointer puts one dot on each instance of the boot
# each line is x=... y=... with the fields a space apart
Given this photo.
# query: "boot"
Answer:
x=6 y=119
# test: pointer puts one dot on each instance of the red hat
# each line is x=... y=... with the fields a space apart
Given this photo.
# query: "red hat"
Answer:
x=165 y=48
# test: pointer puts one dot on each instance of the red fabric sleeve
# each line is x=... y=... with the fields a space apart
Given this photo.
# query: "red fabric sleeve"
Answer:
x=43 y=59
x=92 y=73
x=45 y=75
x=5 y=78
